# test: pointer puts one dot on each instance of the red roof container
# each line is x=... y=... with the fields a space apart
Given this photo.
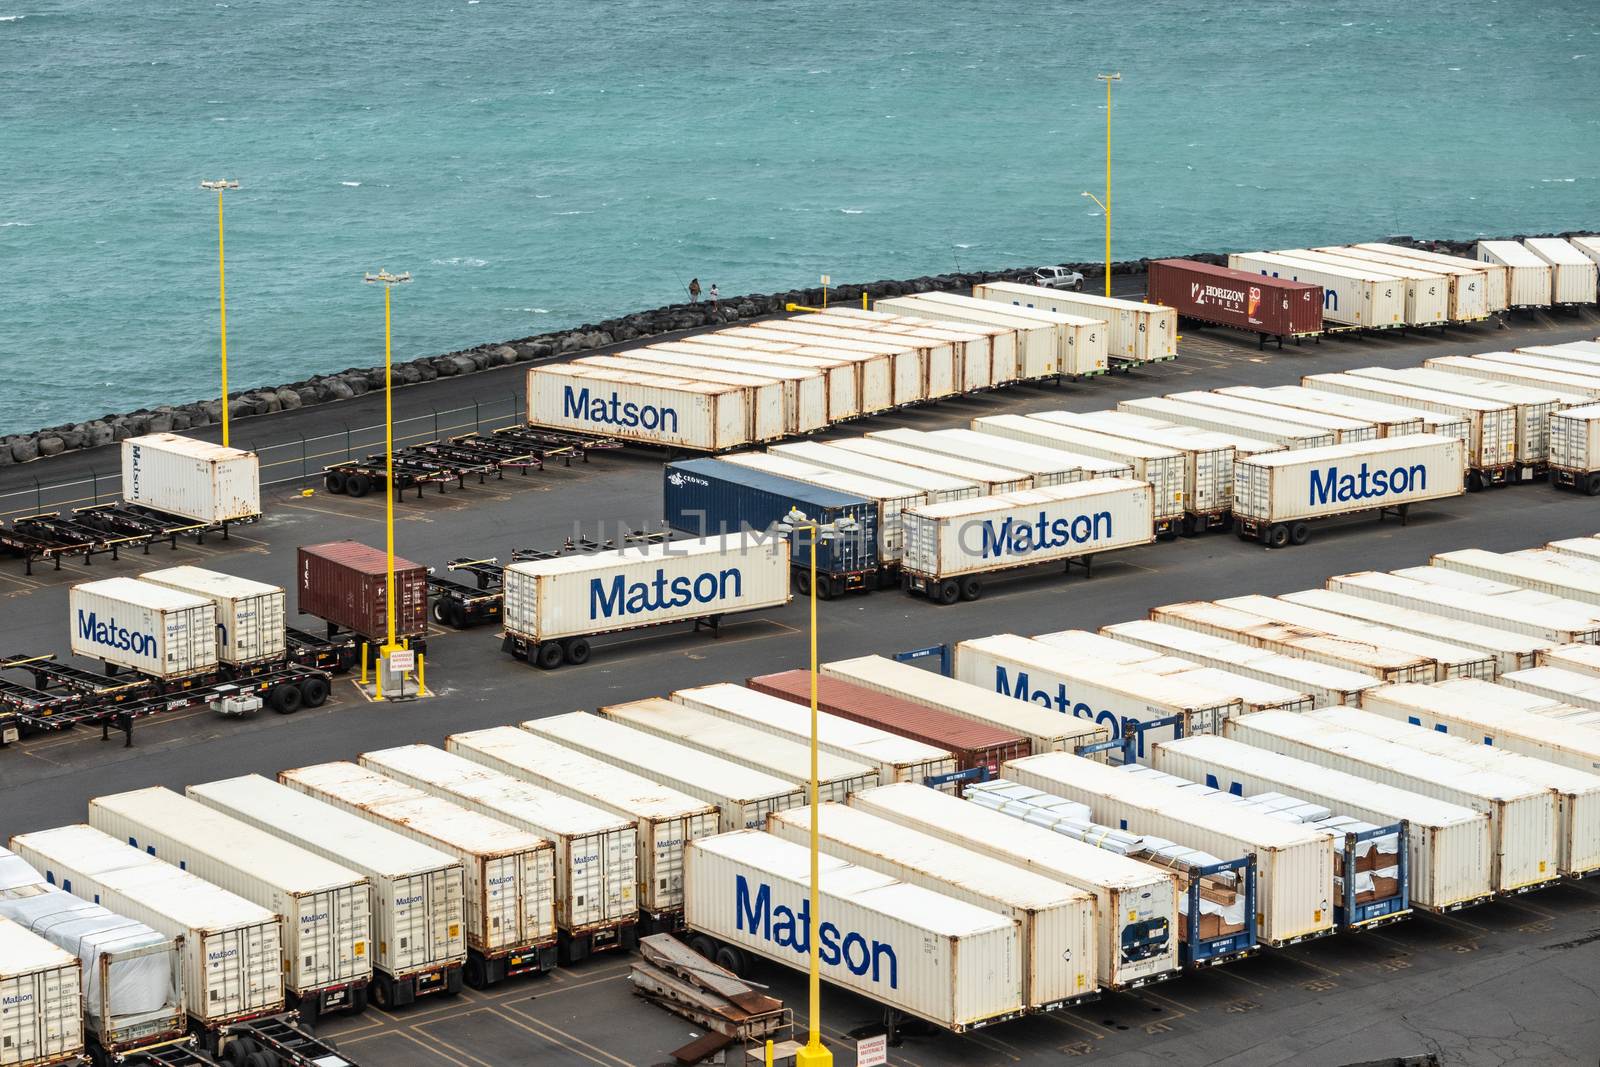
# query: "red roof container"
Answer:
x=1254 y=302
x=974 y=744
x=344 y=583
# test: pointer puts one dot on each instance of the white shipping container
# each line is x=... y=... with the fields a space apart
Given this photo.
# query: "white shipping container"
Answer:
x=1491 y=425
x=250 y=615
x=665 y=817
x=1044 y=466
x=1581 y=659
x=1578 y=688
x=1582 y=547
x=1582 y=354
x=767 y=411
x=1504 y=716
x=988 y=477
x=232 y=949
x=128 y=623
x=1316 y=483
x=931 y=956
x=603 y=592
x=1496 y=278
x=975 y=345
x=1294 y=863
x=805 y=389
x=1426 y=294
x=1587 y=244
x=414 y=891
x=1533 y=406
x=652 y=409
x=934 y=486
x=1572 y=273
x=883 y=371
x=1575 y=445
x=1056 y=923
x=1135 y=331
x=327 y=927
x=1574 y=383
x=1554 y=621
x=1467 y=292
x=1137 y=904
x=41 y=1021
x=1208 y=457
x=1162 y=467
x=1080 y=341
x=1528 y=284
x=1392 y=420
x=193 y=479
x=1522 y=818
x=1344 y=429
x=837 y=776
x=1206 y=417
x=509 y=874
x=1005 y=345
x=743 y=796
x=941 y=350
x=1450 y=860
x=898 y=759
x=1349 y=295
x=905 y=355
x=843 y=376
x=1551 y=579
x=596 y=875
x=892 y=498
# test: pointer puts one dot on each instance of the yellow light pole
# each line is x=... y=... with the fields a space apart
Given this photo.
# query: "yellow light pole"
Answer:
x=388 y=281
x=1106 y=207
x=221 y=185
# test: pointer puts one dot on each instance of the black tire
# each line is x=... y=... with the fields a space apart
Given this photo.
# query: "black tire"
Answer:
x=971 y=587
x=333 y=481
x=438 y=611
x=1591 y=484
x=548 y=657
x=730 y=959
x=358 y=1002
x=1474 y=482
x=382 y=994
x=455 y=615
x=1277 y=535
x=357 y=485
x=473 y=972
x=313 y=692
x=825 y=588
x=577 y=651
x=703 y=945
x=310 y=1012
x=948 y=591
x=1299 y=533
x=261 y=1059
x=285 y=698
x=802 y=583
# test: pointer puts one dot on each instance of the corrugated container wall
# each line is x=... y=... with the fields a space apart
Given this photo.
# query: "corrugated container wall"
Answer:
x=145 y=628
x=250 y=615
x=1317 y=482
x=1162 y=467
x=1552 y=622
x=1493 y=276
x=1529 y=284
x=644 y=408
x=1349 y=296
x=1345 y=430
x=1575 y=444
x=767 y=413
x=345 y=583
x=1244 y=300
x=1136 y=331
x=193 y=479
x=41 y=1021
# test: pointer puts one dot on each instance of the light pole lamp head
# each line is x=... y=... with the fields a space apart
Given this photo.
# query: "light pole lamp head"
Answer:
x=1110 y=77
x=220 y=184
x=383 y=277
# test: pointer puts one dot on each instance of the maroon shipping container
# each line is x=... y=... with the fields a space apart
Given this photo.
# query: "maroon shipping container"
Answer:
x=974 y=744
x=345 y=583
x=1273 y=307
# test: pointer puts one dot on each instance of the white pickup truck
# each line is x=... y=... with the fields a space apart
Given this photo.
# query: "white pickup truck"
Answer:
x=1056 y=278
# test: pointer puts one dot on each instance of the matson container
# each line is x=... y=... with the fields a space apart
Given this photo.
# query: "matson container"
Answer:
x=193 y=479
x=665 y=818
x=934 y=957
x=128 y=623
x=905 y=355
x=940 y=350
x=1465 y=290
x=1450 y=856
x=996 y=363
x=509 y=874
x=1208 y=457
x=1138 y=904
x=1294 y=863
x=1050 y=343
x=743 y=796
x=1056 y=921
x=327 y=927
x=1426 y=293
x=1491 y=425
x=1136 y=332
x=596 y=874
x=972 y=343
x=414 y=891
x=897 y=758
x=1044 y=466
x=891 y=498
x=1575 y=448
x=884 y=371
x=988 y=477
x=1244 y=300
x=1345 y=430
x=1392 y=420
x=1522 y=818
x=1533 y=406
x=1350 y=296
x=1054 y=678
x=651 y=409
x=1046 y=731
x=1549 y=618
x=1529 y=281
x=1503 y=716
x=1539 y=575
x=232 y=949
x=933 y=485
x=837 y=776
x=1573 y=383
x=345 y=583
x=1580 y=659
x=1209 y=417
x=843 y=375
x=805 y=389
x=41 y=1021
x=767 y=411
x=1580 y=689
x=974 y=744
x=250 y=614
x=1495 y=277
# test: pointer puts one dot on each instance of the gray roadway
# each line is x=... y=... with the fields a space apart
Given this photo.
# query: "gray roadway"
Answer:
x=1512 y=982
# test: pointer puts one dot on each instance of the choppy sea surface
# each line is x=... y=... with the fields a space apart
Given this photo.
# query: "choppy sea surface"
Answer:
x=535 y=166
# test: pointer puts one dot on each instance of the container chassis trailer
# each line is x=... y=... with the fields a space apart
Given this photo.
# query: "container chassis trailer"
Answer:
x=270 y=1041
x=454 y=459
x=100 y=529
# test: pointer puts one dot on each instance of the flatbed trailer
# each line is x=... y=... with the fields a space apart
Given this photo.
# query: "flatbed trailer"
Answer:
x=279 y=1041
x=101 y=529
x=455 y=459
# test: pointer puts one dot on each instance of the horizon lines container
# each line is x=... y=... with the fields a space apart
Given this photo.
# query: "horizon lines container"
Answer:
x=232 y=949
x=1349 y=295
x=886 y=371
x=162 y=633
x=989 y=478
x=933 y=485
x=890 y=498
x=1528 y=282
x=805 y=390
x=649 y=409
x=964 y=963
x=1491 y=425
x=1205 y=417
x=1499 y=715
x=843 y=376
x=1553 y=622
x=766 y=409
x=1050 y=343
x=251 y=615
x=906 y=361
x=1466 y=291
x=1136 y=331
x=1449 y=861
x=1426 y=294
x=1496 y=278
x=941 y=350
x=1559 y=685
x=327 y=927
x=1207 y=457
x=197 y=480
x=41 y=987
x=1345 y=430
x=1575 y=383
x=1244 y=300
x=1044 y=470
x=1575 y=448
x=344 y=583
x=1136 y=904
x=1056 y=921
x=1533 y=406
x=414 y=890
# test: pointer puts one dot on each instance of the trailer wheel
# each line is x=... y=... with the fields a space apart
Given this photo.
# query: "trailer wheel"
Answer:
x=261 y=1059
x=235 y=1053
x=1591 y=484
x=826 y=590
x=1475 y=482
x=473 y=972
x=358 y=485
x=971 y=588
x=285 y=698
x=802 y=583
x=731 y=959
x=1299 y=533
x=358 y=1001
x=313 y=692
x=333 y=481
x=438 y=612
x=948 y=591
x=455 y=614
x=549 y=656
x=703 y=945
x=382 y=993
x=1277 y=535
x=576 y=650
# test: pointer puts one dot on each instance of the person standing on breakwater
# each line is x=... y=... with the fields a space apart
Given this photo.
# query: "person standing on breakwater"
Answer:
x=715 y=297
x=694 y=290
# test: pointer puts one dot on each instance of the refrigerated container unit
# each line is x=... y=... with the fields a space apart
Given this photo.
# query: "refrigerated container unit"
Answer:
x=841 y=375
x=1541 y=576
x=1573 y=382
x=1496 y=280
x=1056 y=922
x=766 y=409
x=1425 y=294
x=742 y=796
x=596 y=876
x=1588 y=244
x=952 y=549
x=1583 y=659
x=659 y=410
x=1528 y=281
x=1351 y=298
x=1565 y=560
x=1044 y=466
x=988 y=477
x=1582 y=547
x=553 y=607
x=1117 y=698
x=1555 y=621
x=1466 y=290
x=1233 y=423
x=1572 y=273
x=887 y=374
x=1583 y=355
x=837 y=776
x=975 y=346
x=905 y=356
x=1243 y=300
x=132 y=625
x=909 y=950
x=896 y=757
x=978 y=748
x=327 y=927
x=1080 y=341
x=805 y=389
x=508 y=873
x=41 y=1022
x=250 y=615
x=711 y=497
x=666 y=818
x=207 y=483
x=1137 y=904
x=1345 y=430
x=933 y=486
x=1507 y=717
x=941 y=350
x=1392 y=420
x=1577 y=688
x=345 y=583
x=1136 y=332
x=1030 y=349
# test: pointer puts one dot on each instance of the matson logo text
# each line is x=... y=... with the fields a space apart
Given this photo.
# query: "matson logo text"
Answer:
x=109 y=634
x=578 y=404
x=787 y=928
x=1019 y=537
x=621 y=597
x=1332 y=486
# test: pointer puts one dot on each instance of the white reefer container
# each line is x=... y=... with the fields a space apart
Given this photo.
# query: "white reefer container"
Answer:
x=892 y=498
x=1208 y=457
x=934 y=957
x=1541 y=576
x=805 y=389
x=232 y=949
x=933 y=485
x=651 y=409
x=327 y=926
x=988 y=477
x=250 y=614
x=583 y=594
x=974 y=537
x=766 y=408
x=1466 y=294
x=1253 y=694
x=1588 y=245
x=1345 y=430
x=1522 y=818
x=1572 y=273
x=1578 y=688
x=197 y=480
x=414 y=891
x=898 y=759
x=1557 y=622
x=743 y=796
x=1494 y=278
x=1450 y=856
x=1391 y=420
x=884 y=372
x=1583 y=355
x=1573 y=383
x=842 y=375
x=596 y=870
x=1505 y=717
x=1426 y=294
x=1112 y=696
x=1056 y=922
x=1575 y=447
x=1491 y=425
x=41 y=1000
x=1583 y=547
x=1207 y=417
x=940 y=350
x=904 y=355
x=1350 y=295
x=1136 y=332
x=1006 y=336
x=508 y=873
x=1533 y=406
x=1043 y=466
x=1529 y=281
x=1580 y=659
x=664 y=818
x=973 y=345
x=1137 y=905
x=1048 y=343
x=128 y=623
x=837 y=776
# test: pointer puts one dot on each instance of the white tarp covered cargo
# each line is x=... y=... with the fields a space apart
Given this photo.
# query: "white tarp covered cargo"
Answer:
x=41 y=1003
x=197 y=480
x=1528 y=284
x=1508 y=718
x=1350 y=295
x=250 y=615
x=1572 y=273
x=146 y=628
x=1136 y=332
x=1340 y=479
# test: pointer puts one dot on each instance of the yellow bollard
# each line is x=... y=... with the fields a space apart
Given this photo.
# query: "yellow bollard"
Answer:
x=422 y=674
x=377 y=684
x=769 y=1054
x=863 y=300
x=363 y=663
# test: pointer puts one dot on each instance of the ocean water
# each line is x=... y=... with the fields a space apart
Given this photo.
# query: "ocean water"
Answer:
x=540 y=165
